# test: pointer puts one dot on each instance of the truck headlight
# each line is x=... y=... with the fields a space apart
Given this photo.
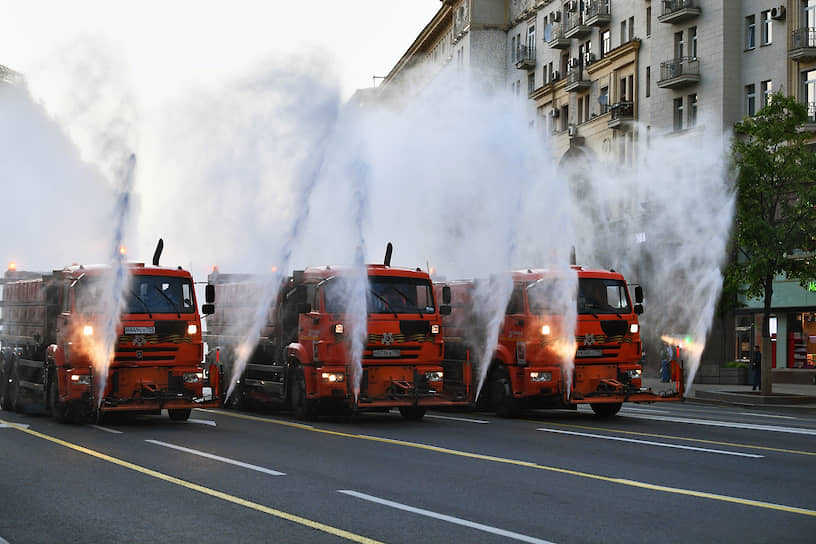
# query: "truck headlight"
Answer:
x=338 y=328
x=435 y=376
x=635 y=374
x=87 y=330
x=332 y=377
x=192 y=329
x=634 y=328
x=434 y=329
x=192 y=377
x=541 y=376
x=81 y=379
x=545 y=330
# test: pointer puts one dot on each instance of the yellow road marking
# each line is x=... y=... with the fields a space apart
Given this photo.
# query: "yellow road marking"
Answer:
x=587 y=427
x=528 y=464
x=201 y=489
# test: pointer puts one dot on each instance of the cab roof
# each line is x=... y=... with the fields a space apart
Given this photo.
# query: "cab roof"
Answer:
x=322 y=272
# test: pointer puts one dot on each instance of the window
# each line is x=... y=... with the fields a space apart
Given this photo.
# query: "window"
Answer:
x=648 y=21
x=530 y=82
x=692 y=38
x=631 y=88
x=623 y=32
x=692 y=110
x=606 y=42
x=580 y=109
x=678 y=44
x=550 y=72
x=767 y=91
x=531 y=43
x=564 y=117
x=513 y=49
x=750 y=100
x=588 y=53
x=648 y=81
x=603 y=99
x=678 y=114
x=767 y=27
x=586 y=107
x=622 y=89
x=631 y=28
x=750 y=32
x=809 y=92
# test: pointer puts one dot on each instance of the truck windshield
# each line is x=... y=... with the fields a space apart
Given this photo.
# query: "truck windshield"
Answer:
x=144 y=294
x=386 y=295
x=602 y=296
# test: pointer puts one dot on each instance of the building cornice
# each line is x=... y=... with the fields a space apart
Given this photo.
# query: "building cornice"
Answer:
x=441 y=23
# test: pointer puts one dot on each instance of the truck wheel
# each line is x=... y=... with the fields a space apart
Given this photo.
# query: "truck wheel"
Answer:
x=13 y=390
x=236 y=400
x=58 y=408
x=606 y=409
x=413 y=413
x=303 y=407
x=179 y=414
x=5 y=402
x=501 y=394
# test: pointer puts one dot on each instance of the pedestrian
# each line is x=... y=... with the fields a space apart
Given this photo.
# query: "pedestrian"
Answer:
x=665 y=362
x=756 y=369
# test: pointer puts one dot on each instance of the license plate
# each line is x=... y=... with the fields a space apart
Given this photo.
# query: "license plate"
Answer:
x=589 y=353
x=140 y=330
x=386 y=353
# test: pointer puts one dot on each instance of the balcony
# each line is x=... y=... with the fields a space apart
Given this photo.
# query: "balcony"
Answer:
x=597 y=13
x=525 y=58
x=576 y=81
x=677 y=11
x=803 y=44
x=556 y=39
x=576 y=27
x=810 y=123
x=621 y=115
x=678 y=73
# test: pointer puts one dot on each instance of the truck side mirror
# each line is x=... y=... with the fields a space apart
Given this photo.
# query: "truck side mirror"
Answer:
x=444 y=309
x=638 y=294
x=446 y=294
x=208 y=309
x=304 y=308
x=638 y=309
x=209 y=293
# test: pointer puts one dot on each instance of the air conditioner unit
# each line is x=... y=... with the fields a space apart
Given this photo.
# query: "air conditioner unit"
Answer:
x=556 y=75
x=778 y=14
x=571 y=131
x=554 y=113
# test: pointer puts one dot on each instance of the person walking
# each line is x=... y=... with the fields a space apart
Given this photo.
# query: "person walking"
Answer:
x=665 y=363
x=756 y=369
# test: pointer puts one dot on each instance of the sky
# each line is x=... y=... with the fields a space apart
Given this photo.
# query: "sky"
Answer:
x=166 y=45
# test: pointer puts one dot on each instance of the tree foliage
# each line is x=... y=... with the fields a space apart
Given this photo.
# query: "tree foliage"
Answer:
x=776 y=197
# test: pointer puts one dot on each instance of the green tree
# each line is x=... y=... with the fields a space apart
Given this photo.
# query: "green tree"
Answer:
x=776 y=207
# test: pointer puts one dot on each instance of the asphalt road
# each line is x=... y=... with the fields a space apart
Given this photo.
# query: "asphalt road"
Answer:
x=663 y=472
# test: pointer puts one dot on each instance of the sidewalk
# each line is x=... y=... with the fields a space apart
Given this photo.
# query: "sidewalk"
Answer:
x=785 y=395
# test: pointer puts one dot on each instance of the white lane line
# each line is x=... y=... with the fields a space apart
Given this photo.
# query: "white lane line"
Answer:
x=731 y=424
x=650 y=443
x=218 y=458
x=443 y=517
x=482 y=421
x=106 y=429
x=202 y=422
x=644 y=410
x=4 y=426
x=766 y=415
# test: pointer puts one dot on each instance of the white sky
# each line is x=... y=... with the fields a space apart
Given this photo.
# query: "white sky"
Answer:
x=168 y=42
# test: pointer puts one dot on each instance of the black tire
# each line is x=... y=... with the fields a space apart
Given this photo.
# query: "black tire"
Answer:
x=236 y=401
x=607 y=409
x=13 y=390
x=179 y=414
x=412 y=413
x=501 y=394
x=303 y=407
x=5 y=402
x=58 y=409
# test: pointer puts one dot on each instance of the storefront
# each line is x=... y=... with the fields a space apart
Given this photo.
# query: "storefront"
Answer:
x=792 y=326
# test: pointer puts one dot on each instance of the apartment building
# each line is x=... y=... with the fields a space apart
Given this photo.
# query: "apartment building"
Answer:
x=605 y=74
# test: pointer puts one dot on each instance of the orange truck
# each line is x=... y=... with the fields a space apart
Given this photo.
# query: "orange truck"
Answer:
x=303 y=359
x=51 y=325
x=531 y=368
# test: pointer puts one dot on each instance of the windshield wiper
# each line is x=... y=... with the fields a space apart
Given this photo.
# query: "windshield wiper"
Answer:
x=373 y=292
x=173 y=304
x=403 y=295
x=146 y=307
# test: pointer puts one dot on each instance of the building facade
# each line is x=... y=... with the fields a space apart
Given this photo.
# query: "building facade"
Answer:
x=605 y=74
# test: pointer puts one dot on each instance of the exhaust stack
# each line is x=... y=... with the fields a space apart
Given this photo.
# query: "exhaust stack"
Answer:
x=158 y=252
x=388 y=249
